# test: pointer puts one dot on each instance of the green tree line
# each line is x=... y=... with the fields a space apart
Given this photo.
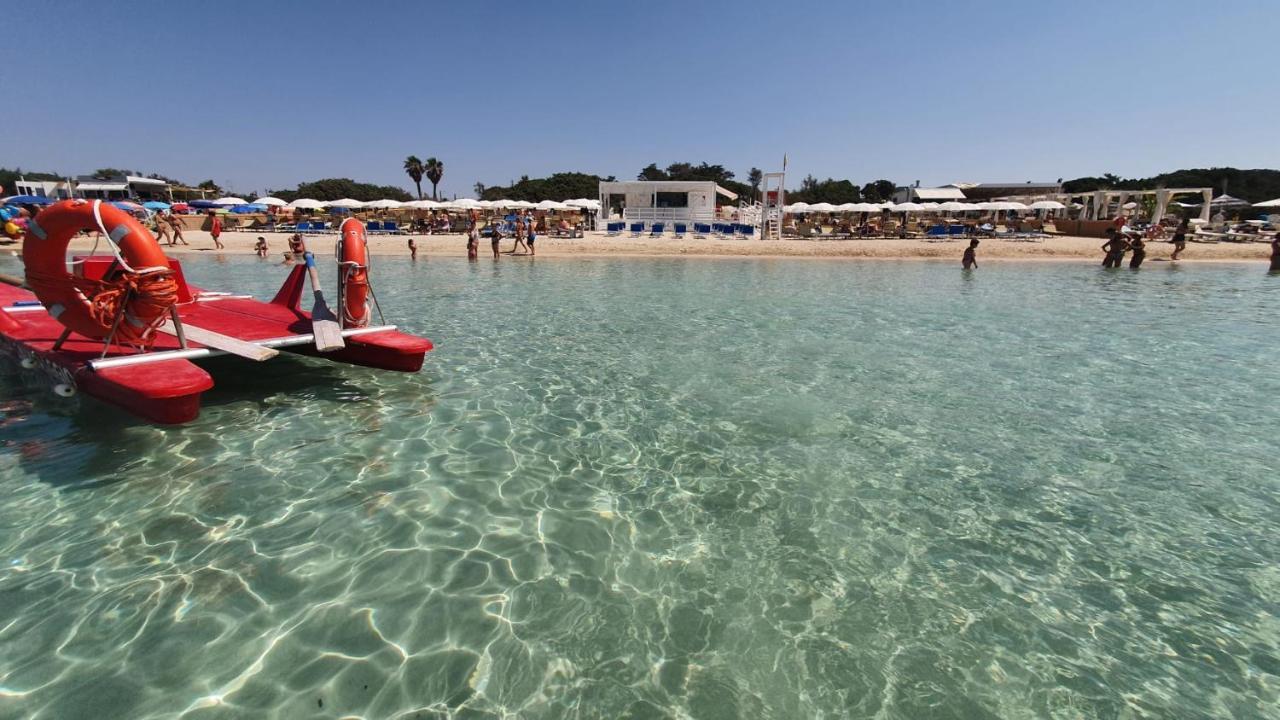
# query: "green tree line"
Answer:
x=1251 y=185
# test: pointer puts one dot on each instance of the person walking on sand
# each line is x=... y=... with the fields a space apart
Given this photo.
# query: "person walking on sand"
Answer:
x=1115 y=247
x=215 y=229
x=1139 y=249
x=519 y=235
x=1179 y=239
x=970 y=261
x=176 y=224
x=162 y=229
x=531 y=236
x=413 y=250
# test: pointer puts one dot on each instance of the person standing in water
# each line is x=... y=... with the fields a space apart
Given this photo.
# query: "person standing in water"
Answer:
x=261 y=248
x=1139 y=249
x=1115 y=247
x=473 y=239
x=970 y=259
x=1275 y=253
x=495 y=238
x=1179 y=238
x=413 y=250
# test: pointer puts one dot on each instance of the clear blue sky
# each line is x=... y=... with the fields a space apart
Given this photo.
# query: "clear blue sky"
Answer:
x=266 y=94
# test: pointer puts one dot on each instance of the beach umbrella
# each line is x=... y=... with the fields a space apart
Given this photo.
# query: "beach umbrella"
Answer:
x=525 y=204
x=384 y=204
x=203 y=204
x=823 y=207
x=272 y=201
x=1268 y=204
x=29 y=200
x=955 y=206
x=799 y=208
x=248 y=208
x=1046 y=205
x=306 y=204
x=550 y=205
x=230 y=200
x=180 y=207
x=128 y=206
x=1225 y=200
x=155 y=205
x=907 y=207
x=422 y=204
x=346 y=203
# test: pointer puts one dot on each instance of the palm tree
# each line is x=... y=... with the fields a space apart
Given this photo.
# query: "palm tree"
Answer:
x=413 y=166
x=434 y=170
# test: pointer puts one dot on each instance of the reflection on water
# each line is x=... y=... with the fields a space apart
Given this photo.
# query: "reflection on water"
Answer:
x=707 y=489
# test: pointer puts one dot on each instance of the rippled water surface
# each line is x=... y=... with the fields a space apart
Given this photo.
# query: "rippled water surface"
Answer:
x=628 y=488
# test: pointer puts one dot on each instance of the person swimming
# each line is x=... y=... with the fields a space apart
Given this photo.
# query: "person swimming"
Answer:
x=970 y=260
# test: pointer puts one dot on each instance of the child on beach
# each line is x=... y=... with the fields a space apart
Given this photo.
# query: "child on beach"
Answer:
x=297 y=246
x=215 y=229
x=413 y=250
x=260 y=248
x=970 y=261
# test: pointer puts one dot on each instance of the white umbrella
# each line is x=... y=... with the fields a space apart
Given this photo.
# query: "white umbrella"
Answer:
x=1129 y=205
x=501 y=203
x=346 y=203
x=384 y=204
x=1046 y=205
x=268 y=200
x=796 y=208
x=930 y=206
x=422 y=204
x=822 y=207
x=550 y=205
x=1221 y=201
x=230 y=201
x=1269 y=203
x=465 y=203
x=306 y=204
x=484 y=204
x=523 y=204
x=583 y=203
x=907 y=207
x=956 y=206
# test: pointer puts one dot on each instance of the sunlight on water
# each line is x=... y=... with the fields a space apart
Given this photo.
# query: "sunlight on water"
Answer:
x=687 y=489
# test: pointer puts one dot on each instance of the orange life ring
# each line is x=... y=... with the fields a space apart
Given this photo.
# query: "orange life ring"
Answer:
x=353 y=273
x=131 y=301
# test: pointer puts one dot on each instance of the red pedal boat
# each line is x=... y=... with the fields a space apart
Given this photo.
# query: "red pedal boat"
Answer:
x=149 y=370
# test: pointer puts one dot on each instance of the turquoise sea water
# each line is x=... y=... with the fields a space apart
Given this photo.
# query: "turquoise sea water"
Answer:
x=686 y=489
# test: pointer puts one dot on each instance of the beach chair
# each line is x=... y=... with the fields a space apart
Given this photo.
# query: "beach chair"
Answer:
x=373 y=226
x=320 y=227
x=748 y=232
x=680 y=229
x=391 y=227
x=657 y=229
x=701 y=230
x=303 y=227
x=637 y=229
x=614 y=229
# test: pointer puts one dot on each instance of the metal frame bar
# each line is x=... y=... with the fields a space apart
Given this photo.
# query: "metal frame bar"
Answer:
x=193 y=353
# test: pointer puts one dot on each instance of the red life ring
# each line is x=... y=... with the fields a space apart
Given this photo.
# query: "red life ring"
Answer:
x=353 y=273
x=133 y=299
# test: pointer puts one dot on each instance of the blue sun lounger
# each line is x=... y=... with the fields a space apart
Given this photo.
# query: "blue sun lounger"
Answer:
x=680 y=229
x=637 y=229
x=657 y=229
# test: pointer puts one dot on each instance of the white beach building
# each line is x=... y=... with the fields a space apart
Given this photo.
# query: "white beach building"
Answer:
x=661 y=201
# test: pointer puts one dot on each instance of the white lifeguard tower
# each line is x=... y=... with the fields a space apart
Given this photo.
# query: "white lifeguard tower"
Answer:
x=774 y=194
